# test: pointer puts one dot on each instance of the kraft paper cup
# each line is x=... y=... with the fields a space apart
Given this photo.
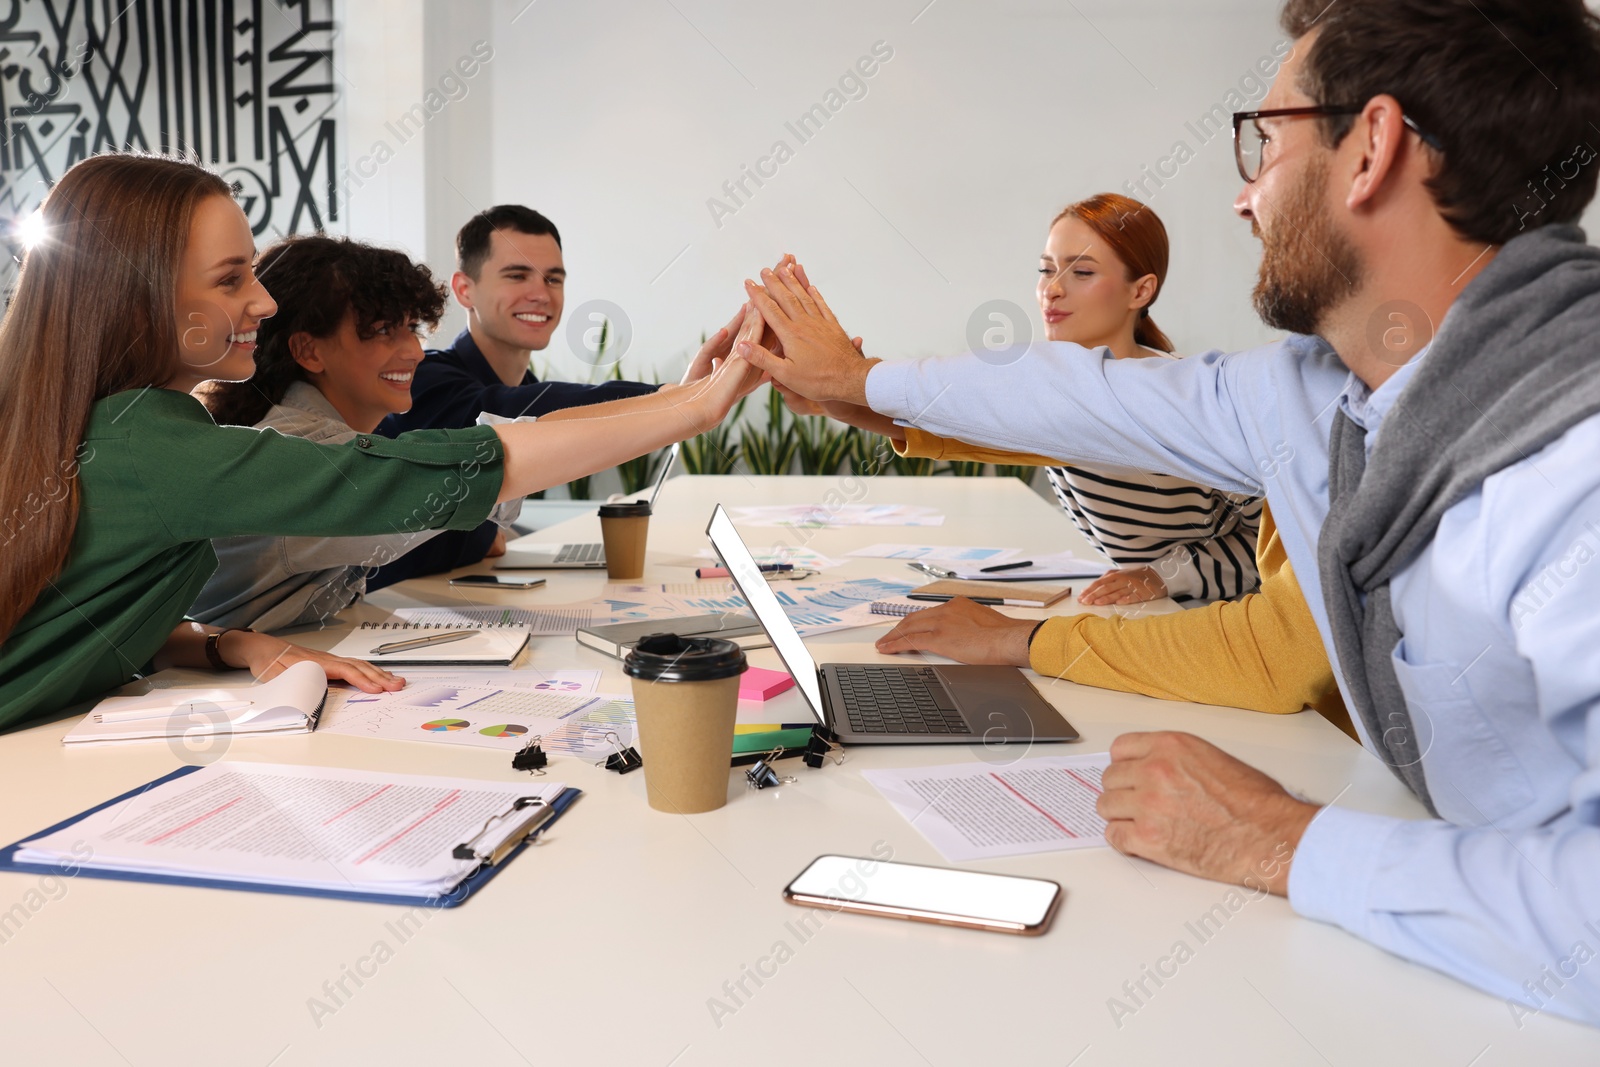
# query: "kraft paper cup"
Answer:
x=624 y=529
x=686 y=696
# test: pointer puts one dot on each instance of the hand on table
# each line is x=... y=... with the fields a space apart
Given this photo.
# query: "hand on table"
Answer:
x=1184 y=803
x=962 y=630
x=817 y=359
x=266 y=657
x=1132 y=586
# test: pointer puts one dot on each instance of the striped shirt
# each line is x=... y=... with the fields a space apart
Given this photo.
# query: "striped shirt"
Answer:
x=1202 y=542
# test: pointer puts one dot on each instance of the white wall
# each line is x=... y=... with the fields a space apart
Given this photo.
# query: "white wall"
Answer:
x=913 y=206
x=379 y=71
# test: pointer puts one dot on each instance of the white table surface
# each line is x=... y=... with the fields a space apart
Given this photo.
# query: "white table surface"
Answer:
x=606 y=943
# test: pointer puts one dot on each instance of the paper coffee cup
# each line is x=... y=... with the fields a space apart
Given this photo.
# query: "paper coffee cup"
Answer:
x=624 y=528
x=686 y=696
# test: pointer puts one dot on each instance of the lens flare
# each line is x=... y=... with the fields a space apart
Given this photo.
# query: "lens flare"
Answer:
x=31 y=229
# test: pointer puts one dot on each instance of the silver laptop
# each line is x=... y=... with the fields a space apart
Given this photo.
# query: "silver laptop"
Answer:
x=889 y=704
x=576 y=556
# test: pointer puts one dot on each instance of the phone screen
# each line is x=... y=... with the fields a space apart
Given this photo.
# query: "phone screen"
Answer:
x=935 y=894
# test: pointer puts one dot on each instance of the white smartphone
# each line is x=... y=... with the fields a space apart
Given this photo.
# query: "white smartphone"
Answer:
x=974 y=899
x=501 y=581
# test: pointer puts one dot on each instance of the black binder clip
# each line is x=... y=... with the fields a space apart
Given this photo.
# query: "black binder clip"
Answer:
x=761 y=775
x=823 y=746
x=623 y=759
x=528 y=825
x=530 y=757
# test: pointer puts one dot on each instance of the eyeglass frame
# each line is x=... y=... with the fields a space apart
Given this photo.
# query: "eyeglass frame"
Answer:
x=1322 y=110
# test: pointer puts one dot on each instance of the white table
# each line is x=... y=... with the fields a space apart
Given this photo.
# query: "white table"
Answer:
x=606 y=943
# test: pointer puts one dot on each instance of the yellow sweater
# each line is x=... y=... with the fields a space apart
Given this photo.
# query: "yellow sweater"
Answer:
x=1260 y=652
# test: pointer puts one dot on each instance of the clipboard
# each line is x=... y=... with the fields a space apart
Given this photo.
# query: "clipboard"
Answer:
x=455 y=898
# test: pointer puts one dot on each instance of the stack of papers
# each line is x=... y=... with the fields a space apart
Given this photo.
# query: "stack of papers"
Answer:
x=1049 y=568
x=817 y=516
x=815 y=606
x=974 y=554
x=491 y=709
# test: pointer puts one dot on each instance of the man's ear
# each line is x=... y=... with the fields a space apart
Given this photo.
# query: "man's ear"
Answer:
x=461 y=285
x=303 y=347
x=1379 y=134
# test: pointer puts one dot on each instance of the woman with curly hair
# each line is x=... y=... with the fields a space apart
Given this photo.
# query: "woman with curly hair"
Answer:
x=330 y=365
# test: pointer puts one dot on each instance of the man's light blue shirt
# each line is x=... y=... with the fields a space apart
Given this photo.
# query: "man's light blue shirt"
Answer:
x=1500 y=662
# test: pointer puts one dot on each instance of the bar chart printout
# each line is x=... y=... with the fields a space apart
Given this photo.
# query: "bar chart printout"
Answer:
x=975 y=811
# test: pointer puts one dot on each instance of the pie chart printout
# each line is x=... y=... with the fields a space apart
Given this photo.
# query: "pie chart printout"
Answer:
x=506 y=730
x=443 y=725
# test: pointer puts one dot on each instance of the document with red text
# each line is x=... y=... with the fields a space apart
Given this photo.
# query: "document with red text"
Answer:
x=314 y=828
x=979 y=811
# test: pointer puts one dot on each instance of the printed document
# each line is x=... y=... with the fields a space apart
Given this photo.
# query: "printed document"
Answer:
x=310 y=827
x=979 y=811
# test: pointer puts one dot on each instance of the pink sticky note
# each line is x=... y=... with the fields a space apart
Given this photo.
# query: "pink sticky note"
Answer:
x=758 y=683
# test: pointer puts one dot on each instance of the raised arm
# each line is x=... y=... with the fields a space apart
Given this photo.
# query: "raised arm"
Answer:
x=578 y=441
x=1205 y=418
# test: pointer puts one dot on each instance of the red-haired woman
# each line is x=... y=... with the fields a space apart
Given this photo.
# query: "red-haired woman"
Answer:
x=1103 y=265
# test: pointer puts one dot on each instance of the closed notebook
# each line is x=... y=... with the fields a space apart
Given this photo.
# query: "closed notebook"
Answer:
x=1042 y=595
x=617 y=639
x=288 y=704
x=502 y=634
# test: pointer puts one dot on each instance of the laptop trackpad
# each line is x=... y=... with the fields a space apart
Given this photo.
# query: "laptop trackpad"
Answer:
x=999 y=704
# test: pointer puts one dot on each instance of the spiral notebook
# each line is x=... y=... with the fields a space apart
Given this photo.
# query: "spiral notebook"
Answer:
x=499 y=636
x=899 y=606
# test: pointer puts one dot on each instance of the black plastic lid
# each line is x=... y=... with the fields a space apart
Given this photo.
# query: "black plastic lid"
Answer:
x=636 y=509
x=671 y=658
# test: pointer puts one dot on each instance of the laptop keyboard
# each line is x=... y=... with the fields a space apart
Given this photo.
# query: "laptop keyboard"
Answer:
x=897 y=700
x=590 y=553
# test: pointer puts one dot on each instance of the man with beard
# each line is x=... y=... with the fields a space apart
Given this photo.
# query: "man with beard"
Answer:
x=1413 y=176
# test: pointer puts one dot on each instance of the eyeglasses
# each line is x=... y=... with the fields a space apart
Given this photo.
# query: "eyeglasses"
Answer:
x=1249 y=148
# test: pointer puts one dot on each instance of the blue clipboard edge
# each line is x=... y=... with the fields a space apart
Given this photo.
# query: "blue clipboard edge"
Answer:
x=455 y=898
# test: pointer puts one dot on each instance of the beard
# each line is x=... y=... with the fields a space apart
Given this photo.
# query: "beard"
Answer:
x=1307 y=265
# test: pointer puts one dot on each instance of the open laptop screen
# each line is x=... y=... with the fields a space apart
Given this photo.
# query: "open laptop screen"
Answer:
x=764 y=603
x=666 y=469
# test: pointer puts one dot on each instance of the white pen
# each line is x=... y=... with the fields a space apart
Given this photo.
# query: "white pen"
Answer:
x=423 y=642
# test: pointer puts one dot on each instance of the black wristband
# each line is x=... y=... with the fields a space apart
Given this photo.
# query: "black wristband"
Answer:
x=214 y=654
x=1035 y=633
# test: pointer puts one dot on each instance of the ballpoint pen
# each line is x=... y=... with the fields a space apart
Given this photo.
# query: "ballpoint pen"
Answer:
x=931 y=570
x=423 y=642
x=1005 y=567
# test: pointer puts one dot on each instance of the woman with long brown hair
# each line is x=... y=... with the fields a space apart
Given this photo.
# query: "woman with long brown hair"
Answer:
x=116 y=479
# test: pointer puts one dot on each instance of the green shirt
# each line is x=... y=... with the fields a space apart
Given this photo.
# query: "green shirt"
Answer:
x=157 y=479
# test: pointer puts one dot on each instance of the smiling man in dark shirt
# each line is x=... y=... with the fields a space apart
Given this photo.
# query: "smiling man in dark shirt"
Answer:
x=511 y=279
